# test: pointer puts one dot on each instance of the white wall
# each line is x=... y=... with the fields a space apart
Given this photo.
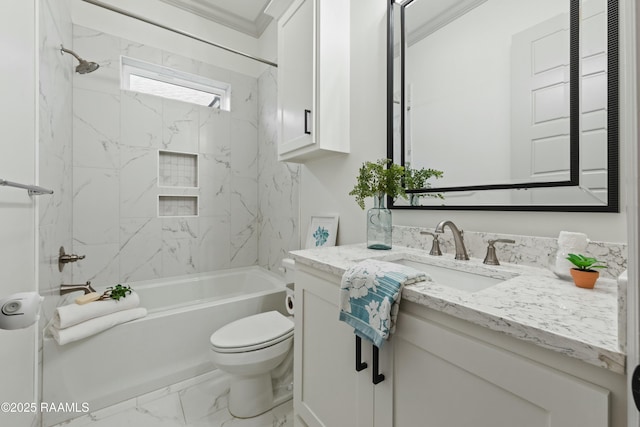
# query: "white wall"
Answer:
x=326 y=183
x=17 y=209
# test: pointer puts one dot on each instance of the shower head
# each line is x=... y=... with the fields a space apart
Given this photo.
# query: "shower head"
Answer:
x=83 y=67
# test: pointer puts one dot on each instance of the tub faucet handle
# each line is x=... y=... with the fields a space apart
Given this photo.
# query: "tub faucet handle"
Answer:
x=65 y=258
x=435 y=245
x=491 y=258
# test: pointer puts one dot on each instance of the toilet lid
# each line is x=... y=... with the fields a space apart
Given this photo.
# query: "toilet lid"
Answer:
x=253 y=332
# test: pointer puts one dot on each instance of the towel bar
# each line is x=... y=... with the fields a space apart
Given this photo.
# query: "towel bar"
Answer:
x=33 y=190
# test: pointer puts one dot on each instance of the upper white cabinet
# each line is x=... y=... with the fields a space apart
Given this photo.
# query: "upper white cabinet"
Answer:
x=313 y=80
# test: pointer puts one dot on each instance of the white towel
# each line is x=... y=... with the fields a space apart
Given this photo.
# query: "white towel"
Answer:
x=93 y=326
x=72 y=314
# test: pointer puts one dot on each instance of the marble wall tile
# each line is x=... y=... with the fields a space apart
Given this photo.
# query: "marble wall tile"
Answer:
x=243 y=224
x=138 y=182
x=215 y=174
x=278 y=183
x=140 y=253
x=104 y=49
x=140 y=51
x=244 y=153
x=101 y=265
x=244 y=98
x=140 y=120
x=95 y=206
x=215 y=131
x=179 y=256
x=214 y=250
x=180 y=122
x=96 y=129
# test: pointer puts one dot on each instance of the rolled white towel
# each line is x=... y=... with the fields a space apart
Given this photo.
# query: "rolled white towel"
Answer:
x=96 y=325
x=72 y=314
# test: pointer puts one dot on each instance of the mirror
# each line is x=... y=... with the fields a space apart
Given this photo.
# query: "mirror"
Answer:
x=515 y=101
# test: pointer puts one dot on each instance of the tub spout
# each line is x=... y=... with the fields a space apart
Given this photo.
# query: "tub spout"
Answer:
x=86 y=288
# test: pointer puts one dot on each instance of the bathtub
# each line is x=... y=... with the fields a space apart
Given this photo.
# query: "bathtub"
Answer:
x=169 y=345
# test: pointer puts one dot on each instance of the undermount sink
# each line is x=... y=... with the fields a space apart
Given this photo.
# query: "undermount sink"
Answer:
x=450 y=277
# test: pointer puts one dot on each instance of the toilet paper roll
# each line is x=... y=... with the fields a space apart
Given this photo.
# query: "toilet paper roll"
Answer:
x=289 y=304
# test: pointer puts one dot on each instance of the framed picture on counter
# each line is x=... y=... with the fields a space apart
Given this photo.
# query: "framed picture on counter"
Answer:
x=322 y=231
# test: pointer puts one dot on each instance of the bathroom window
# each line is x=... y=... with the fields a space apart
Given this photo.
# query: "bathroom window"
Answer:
x=144 y=77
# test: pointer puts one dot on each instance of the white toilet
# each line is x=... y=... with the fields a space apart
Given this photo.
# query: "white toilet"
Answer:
x=249 y=349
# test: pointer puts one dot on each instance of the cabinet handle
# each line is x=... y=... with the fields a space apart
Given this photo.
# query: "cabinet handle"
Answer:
x=359 y=364
x=307 y=116
x=377 y=378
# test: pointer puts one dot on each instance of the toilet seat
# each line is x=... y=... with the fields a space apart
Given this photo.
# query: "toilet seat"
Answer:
x=252 y=333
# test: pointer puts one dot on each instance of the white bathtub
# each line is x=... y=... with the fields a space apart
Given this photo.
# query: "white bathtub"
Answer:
x=169 y=345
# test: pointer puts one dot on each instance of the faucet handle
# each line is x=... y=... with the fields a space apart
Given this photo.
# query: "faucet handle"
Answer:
x=435 y=246
x=491 y=257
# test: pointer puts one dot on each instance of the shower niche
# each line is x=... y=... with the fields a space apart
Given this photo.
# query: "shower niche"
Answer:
x=178 y=174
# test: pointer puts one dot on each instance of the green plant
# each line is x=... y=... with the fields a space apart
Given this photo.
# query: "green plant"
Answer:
x=116 y=292
x=415 y=179
x=584 y=263
x=375 y=179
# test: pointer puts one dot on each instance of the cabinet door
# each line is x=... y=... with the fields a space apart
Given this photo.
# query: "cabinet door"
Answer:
x=295 y=76
x=327 y=389
x=443 y=379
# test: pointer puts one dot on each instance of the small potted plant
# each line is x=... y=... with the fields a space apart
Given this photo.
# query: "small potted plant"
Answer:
x=584 y=275
x=416 y=179
x=378 y=179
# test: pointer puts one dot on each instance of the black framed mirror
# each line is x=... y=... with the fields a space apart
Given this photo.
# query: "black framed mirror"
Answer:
x=515 y=101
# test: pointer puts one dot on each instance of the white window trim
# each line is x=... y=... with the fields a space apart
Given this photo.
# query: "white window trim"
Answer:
x=129 y=66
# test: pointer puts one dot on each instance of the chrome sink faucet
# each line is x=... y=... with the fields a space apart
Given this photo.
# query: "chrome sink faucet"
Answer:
x=461 y=250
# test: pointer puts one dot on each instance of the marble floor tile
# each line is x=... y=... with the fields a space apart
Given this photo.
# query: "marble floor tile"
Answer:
x=199 y=402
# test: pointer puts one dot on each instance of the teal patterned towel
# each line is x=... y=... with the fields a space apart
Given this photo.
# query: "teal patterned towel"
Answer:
x=370 y=297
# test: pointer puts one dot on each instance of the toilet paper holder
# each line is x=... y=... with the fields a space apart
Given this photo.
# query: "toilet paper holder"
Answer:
x=290 y=297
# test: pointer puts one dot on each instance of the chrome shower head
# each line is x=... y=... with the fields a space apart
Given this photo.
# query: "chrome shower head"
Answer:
x=83 y=67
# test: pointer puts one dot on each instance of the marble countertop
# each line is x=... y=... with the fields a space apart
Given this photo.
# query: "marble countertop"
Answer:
x=531 y=304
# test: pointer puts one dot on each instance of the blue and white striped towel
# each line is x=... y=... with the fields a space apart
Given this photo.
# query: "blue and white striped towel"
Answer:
x=370 y=297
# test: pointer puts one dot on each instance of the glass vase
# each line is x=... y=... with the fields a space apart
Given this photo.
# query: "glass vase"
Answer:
x=379 y=225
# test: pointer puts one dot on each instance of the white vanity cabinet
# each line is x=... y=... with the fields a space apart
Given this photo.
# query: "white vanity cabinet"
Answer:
x=452 y=379
x=313 y=80
x=439 y=372
x=328 y=391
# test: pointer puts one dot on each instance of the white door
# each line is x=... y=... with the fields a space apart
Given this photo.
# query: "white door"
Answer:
x=540 y=102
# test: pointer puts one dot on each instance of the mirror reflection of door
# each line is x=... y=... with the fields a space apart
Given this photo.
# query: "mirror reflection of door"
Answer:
x=540 y=85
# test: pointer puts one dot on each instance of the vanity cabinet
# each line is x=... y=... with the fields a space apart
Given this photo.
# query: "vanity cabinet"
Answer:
x=439 y=372
x=456 y=380
x=313 y=80
x=328 y=391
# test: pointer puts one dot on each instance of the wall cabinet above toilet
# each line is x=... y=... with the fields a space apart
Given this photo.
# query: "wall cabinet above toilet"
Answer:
x=313 y=80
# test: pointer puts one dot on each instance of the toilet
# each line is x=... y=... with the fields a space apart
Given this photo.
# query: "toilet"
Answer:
x=249 y=349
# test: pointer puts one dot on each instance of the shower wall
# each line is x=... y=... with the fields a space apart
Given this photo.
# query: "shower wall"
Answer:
x=54 y=159
x=278 y=183
x=117 y=136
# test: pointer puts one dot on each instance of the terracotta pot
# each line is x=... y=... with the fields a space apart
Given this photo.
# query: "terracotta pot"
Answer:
x=584 y=278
